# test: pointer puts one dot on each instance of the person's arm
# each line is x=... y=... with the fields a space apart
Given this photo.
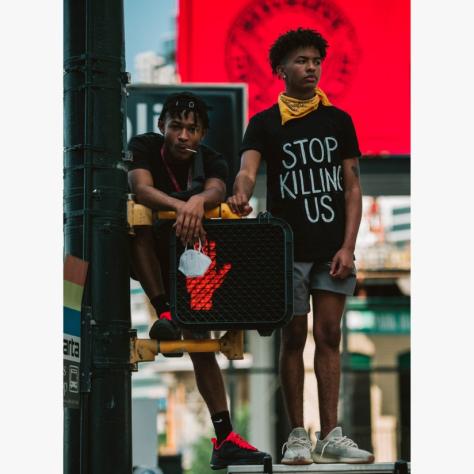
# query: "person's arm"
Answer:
x=141 y=184
x=244 y=183
x=343 y=261
x=189 y=217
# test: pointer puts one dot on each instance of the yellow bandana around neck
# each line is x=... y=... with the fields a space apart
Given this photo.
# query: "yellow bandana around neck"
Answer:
x=291 y=108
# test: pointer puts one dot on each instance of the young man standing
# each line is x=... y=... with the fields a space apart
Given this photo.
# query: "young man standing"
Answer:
x=311 y=151
x=174 y=171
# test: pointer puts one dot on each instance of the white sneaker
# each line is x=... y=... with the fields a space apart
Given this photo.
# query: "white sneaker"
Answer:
x=335 y=448
x=297 y=450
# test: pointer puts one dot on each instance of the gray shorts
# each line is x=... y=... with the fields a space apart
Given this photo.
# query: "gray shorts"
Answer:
x=309 y=276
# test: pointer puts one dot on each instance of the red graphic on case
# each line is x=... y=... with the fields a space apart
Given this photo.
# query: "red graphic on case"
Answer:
x=201 y=289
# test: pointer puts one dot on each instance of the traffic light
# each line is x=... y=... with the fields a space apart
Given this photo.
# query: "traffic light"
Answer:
x=249 y=283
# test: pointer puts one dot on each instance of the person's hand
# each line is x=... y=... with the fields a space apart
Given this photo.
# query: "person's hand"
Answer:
x=342 y=264
x=188 y=225
x=239 y=204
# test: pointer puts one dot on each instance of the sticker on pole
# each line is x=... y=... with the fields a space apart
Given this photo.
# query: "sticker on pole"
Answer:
x=75 y=271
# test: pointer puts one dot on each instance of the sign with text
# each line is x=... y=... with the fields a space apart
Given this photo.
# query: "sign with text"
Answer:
x=75 y=272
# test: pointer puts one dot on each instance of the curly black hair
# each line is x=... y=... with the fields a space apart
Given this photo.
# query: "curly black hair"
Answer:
x=292 y=40
x=179 y=102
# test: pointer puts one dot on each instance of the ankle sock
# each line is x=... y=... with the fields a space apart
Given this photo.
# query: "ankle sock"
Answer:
x=222 y=425
x=161 y=305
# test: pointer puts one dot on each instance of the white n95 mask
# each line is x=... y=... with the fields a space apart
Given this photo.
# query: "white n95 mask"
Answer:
x=194 y=263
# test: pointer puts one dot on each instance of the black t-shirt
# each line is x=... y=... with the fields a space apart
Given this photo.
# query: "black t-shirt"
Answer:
x=305 y=183
x=207 y=163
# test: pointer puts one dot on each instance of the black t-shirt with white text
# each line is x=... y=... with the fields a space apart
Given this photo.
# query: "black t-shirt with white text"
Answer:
x=305 y=184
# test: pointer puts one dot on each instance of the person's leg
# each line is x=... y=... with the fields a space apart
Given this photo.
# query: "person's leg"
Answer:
x=293 y=339
x=329 y=297
x=209 y=379
x=297 y=450
x=149 y=264
x=228 y=447
x=210 y=384
x=145 y=264
x=328 y=308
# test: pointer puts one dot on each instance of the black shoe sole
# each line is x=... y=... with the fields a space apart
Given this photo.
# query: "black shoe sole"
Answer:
x=167 y=333
x=173 y=354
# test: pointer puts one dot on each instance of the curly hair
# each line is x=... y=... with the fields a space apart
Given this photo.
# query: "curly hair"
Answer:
x=292 y=40
x=179 y=102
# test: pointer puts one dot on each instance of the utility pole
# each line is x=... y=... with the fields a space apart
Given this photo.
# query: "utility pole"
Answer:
x=97 y=434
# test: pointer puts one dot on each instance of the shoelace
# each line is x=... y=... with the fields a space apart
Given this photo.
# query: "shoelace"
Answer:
x=236 y=439
x=241 y=442
x=343 y=441
x=300 y=442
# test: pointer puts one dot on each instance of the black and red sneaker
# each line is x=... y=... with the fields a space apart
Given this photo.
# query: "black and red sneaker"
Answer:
x=165 y=329
x=234 y=450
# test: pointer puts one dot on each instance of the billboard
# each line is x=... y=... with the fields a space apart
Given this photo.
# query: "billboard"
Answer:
x=366 y=72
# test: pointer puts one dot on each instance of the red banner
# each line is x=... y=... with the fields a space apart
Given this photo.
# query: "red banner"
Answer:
x=366 y=72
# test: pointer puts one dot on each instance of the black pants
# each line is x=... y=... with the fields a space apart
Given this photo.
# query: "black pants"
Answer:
x=162 y=233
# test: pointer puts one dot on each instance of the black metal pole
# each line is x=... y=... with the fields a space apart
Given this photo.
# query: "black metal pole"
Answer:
x=97 y=436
